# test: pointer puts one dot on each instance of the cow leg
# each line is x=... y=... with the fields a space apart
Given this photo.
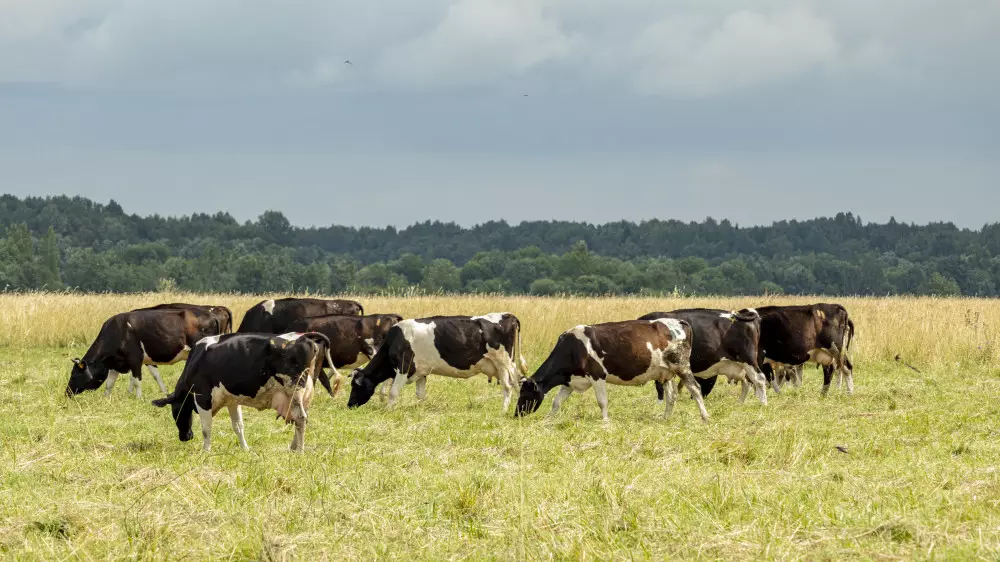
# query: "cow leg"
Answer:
x=422 y=388
x=112 y=377
x=759 y=383
x=299 y=439
x=236 y=416
x=564 y=393
x=507 y=385
x=797 y=376
x=669 y=396
x=744 y=390
x=383 y=392
x=659 y=390
x=131 y=385
x=695 y=389
x=827 y=377
x=206 y=426
x=848 y=378
x=157 y=378
x=138 y=384
x=397 y=387
x=601 y=391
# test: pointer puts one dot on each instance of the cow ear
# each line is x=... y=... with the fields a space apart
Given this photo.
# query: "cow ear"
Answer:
x=378 y=323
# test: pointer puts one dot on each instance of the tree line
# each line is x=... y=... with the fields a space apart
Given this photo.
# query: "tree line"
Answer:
x=73 y=243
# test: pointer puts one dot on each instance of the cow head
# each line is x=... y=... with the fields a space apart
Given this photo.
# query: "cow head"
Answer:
x=529 y=399
x=293 y=359
x=362 y=389
x=85 y=376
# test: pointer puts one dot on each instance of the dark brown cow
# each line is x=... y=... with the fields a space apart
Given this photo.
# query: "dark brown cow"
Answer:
x=793 y=335
x=223 y=315
x=725 y=343
x=130 y=340
x=274 y=316
x=354 y=340
x=626 y=353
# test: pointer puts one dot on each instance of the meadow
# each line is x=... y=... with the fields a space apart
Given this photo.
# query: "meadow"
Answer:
x=97 y=478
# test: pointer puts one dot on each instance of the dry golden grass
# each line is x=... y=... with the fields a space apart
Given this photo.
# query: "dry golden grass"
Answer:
x=98 y=478
x=927 y=331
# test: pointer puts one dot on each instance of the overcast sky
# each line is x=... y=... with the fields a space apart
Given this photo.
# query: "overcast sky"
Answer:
x=472 y=110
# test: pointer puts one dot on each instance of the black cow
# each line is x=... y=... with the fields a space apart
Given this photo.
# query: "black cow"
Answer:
x=129 y=340
x=221 y=313
x=631 y=353
x=793 y=335
x=725 y=343
x=256 y=370
x=274 y=316
x=451 y=346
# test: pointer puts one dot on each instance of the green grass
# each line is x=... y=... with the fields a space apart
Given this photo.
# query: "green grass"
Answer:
x=98 y=478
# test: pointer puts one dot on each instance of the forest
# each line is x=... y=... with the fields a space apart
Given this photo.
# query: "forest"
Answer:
x=76 y=244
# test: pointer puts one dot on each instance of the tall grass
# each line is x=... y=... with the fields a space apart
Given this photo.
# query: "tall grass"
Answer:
x=925 y=330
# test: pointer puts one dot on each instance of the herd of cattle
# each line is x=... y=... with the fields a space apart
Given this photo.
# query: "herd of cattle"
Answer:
x=282 y=347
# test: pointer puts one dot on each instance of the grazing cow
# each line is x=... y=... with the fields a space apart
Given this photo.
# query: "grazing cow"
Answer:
x=451 y=346
x=725 y=343
x=353 y=339
x=631 y=353
x=129 y=340
x=793 y=335
x=221 y=313
x=274 y=316
x=256 y=370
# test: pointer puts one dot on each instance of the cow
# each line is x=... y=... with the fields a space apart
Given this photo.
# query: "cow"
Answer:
x=725 y=343
x=274 y=316
x=354 y=340
x=793 y=335
x=257 y=370
x=129 y=340
x=631 y=353
x=452 y=346
x=221 y=313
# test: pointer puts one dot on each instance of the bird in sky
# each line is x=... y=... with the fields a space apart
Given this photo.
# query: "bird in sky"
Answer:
x=348 y=62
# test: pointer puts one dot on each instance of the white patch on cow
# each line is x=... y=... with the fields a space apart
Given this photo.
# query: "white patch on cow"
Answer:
x=371 y=343
x=675 y=327
x=494 y=317
x=269 y=306
x=427 y=359
x=754 y=310
x=209 y=340
x=128 y=325
x=291 y=336
x=727 y=315
x=579 y=333
x=580 y=384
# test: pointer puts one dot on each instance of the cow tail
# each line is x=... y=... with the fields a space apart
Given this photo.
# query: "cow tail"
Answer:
x=338 y=379
x=850 y=334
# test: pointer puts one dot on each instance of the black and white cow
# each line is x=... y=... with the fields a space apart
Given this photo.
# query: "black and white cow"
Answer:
x=793 y=335
x=450 y=346
x=274 y=316
x=222 y=314
x=129 y=340
x=725 y=343
x=255 y=370
x=630 y=353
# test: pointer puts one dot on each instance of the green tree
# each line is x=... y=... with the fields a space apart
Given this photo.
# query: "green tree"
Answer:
x=442 y=275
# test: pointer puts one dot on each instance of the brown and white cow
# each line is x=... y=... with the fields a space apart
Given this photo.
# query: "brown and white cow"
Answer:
x=255 y=370
x=273 y=316
x=629 y=353
x=451 y=346
x=129 y=340
x=793 y=335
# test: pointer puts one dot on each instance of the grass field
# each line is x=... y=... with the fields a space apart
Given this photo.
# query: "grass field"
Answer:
x=98 y=478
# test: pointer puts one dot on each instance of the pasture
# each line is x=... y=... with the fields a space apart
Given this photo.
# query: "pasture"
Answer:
x=99 y=478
